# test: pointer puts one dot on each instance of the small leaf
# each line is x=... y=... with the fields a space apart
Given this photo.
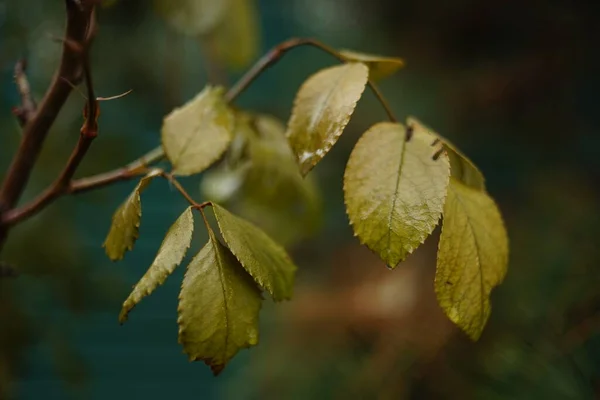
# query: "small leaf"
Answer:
x=265 y=260
x=192 y=17
x=322 y=109
x=461 y=167
x=379 y=67
x=197 y=134
x=170 y=254
x=472 y=257
x=395 y=189
x=218 y=307
x=124 y=229
x=237 y=39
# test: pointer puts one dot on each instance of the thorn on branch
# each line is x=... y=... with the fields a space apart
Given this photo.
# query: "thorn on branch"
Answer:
x=26 y=110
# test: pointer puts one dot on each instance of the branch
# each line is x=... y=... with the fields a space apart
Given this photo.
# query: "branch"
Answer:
x=58 y=188
x=26 y=110
x=273 y=56
x=79 y=15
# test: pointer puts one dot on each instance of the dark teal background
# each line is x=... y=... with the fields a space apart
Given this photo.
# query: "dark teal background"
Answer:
x=515 y=84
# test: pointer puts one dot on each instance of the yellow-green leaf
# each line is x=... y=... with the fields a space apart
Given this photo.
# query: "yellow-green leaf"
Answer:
x=237 y=39
x=124 y=229
x=265 y=260
x=170 y=254
x=379 y=66
x=196 y=135
x=192 y=17
x=395 y=189
x=472 y=257
x=218 y=307
x=322 y=109
x=462 y=168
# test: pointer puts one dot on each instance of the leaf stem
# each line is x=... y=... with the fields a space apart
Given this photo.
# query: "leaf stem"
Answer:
x=168 y=176
x=275 y=54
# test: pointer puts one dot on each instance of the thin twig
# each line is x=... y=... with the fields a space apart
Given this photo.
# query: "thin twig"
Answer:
x=180 y=189
x=136 y=168
x=26 y=110
x=275 y=54
x=36 y=130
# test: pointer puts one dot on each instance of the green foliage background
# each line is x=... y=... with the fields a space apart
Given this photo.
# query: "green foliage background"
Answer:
x=514 y=85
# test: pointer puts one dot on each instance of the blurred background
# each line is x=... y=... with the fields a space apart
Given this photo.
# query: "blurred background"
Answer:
x=514 y=84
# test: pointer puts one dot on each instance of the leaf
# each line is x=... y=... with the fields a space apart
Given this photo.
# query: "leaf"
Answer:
x=170 y=254
x=472 y=257
x=395 y=190
x=196 y=135
x=192 y=17
x=461 y=167
x=124 y=229
x=237 y=39
x=266 y=261
x=218 y=307
x=379 y=67
x=322 y=109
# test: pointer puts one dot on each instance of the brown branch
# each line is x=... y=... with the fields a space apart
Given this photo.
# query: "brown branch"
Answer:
x=26 y=110
x=275 y=54
x=57 y=189
x=79 y=15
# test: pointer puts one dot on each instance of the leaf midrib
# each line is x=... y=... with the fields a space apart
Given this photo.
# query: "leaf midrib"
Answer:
x=222 y=281
x=478 y=249
x=395 y=199
x=325 y=99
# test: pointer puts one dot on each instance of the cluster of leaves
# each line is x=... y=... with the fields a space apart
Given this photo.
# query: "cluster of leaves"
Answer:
x=399 y=181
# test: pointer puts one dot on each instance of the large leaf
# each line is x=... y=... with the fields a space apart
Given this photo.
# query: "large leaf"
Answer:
x=237 y=40
x=218 y=307
x=124 y=229
x=461 y=167
x=322 y=109
x=196 y=135
x=170 y=254
x=395 y=189
x=265 y=260
x=379 y=66
x=472 y=257
x=192 y=17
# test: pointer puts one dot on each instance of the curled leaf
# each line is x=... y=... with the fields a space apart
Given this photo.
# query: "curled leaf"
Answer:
x=218 y=307
x=265 y=260
x=124 y=229
x=322 y=109
x=461 y=167
x=472 y=257
x=197 y=134
x=395 y=189
x=170 y=254
x=380 y=67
